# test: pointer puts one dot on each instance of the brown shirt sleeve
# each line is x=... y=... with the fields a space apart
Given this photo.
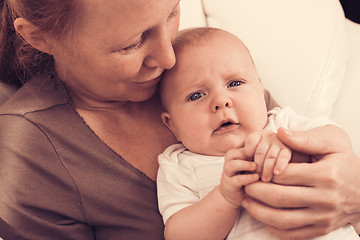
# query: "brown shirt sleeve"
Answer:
x=37 y=194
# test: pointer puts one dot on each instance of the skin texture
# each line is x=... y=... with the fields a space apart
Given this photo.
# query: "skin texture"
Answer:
x=326 y=193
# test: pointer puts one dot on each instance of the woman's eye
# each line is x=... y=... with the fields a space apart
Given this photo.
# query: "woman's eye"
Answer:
x=235 y=83
x=138 y=44
x=175 y=13
x=195 y=96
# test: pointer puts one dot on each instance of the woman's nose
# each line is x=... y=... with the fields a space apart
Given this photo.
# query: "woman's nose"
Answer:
x=162 y=53
x=221 y=102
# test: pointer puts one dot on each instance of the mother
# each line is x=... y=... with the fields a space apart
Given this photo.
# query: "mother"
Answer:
x=79 y=141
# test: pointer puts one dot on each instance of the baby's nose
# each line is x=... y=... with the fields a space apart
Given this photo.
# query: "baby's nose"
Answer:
x=221 y=102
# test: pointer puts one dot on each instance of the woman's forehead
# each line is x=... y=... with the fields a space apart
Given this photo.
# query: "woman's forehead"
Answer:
x=128 y=11
x=123 y=17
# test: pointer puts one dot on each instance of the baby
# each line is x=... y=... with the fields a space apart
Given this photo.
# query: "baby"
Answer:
x=215 y=103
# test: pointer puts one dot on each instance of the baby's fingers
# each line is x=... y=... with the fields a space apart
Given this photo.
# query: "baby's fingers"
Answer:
x=241 y=180
x=276 y=160
x=269 y=163
x=235 y=167
x=282 y=161
x=235 y=154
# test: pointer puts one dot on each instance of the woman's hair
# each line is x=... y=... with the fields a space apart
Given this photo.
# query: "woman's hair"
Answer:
x=19 y=61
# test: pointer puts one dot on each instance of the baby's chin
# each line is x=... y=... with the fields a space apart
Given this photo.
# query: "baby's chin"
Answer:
x=233 y=143
x=224 y=147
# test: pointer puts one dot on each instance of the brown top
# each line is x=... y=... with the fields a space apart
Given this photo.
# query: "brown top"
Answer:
x=58 y=180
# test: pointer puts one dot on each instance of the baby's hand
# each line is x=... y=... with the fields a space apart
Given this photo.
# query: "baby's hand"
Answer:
x=233 y=177
x=268 y=152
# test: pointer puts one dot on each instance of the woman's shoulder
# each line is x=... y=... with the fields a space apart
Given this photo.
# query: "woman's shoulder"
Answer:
x=38 y=94
x=6 y=90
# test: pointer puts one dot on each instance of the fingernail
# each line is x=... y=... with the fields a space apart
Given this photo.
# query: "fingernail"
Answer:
x=288 y=132
x=253 y=166
x=245 y=203
x=265 y=179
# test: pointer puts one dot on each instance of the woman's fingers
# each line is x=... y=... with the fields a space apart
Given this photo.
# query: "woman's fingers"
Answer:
x=319 y=191
x=322 y=174
x=285 y=218
x=299 y=223
x=316 y=141
x=300 y=174
x=279 y=196
x=306 y=232
x=309 y=199
x=322 y=191
x=305 y=141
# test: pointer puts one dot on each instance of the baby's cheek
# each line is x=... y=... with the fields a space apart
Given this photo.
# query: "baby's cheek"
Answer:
x=192 y=139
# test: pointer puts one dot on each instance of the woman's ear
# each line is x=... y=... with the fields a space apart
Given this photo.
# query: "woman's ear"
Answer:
x=166 y=119
x=35 y=37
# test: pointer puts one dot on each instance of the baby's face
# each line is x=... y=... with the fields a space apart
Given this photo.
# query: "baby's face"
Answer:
x=213 y=96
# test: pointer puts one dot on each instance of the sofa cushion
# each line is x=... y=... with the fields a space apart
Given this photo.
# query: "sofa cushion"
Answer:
x=299 y=47
x=346 y=112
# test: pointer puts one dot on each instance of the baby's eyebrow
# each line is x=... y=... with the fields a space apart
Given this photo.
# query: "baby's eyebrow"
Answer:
x=191 y=89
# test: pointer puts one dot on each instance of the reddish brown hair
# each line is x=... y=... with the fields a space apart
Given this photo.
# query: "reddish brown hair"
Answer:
x=18 y=60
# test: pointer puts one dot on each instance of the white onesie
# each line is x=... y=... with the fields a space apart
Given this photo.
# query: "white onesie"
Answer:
x=185 y=177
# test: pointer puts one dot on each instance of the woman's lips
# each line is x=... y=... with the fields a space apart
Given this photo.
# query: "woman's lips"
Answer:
x=149 y=83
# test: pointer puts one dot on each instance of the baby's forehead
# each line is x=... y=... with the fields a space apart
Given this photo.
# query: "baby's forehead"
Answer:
x=167 y=86
x=204 y=36
x=216 y=42
x=186 y=48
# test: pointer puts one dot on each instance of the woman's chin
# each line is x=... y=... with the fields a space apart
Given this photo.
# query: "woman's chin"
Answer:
x=143 y=95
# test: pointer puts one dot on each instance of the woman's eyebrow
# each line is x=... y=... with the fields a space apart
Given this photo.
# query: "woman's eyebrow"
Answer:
x=176 y=5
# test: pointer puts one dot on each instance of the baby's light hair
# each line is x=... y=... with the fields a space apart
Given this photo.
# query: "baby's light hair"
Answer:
x=194 y=36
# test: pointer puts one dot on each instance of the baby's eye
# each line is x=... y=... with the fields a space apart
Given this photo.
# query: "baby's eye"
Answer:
x=235 y=83
x=195 y=96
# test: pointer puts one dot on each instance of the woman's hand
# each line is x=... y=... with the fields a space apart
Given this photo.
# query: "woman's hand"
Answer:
x=310 y=199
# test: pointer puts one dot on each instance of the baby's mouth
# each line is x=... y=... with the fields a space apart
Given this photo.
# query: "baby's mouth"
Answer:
x=225 y=126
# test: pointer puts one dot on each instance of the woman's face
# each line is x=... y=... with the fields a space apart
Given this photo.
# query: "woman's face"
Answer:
x=118 y=49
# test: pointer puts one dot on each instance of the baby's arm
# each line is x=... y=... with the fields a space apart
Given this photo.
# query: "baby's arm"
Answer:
x=268 y=152
x=214 y=215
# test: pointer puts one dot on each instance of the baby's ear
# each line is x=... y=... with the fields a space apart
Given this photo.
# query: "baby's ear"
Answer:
x=166 y=119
